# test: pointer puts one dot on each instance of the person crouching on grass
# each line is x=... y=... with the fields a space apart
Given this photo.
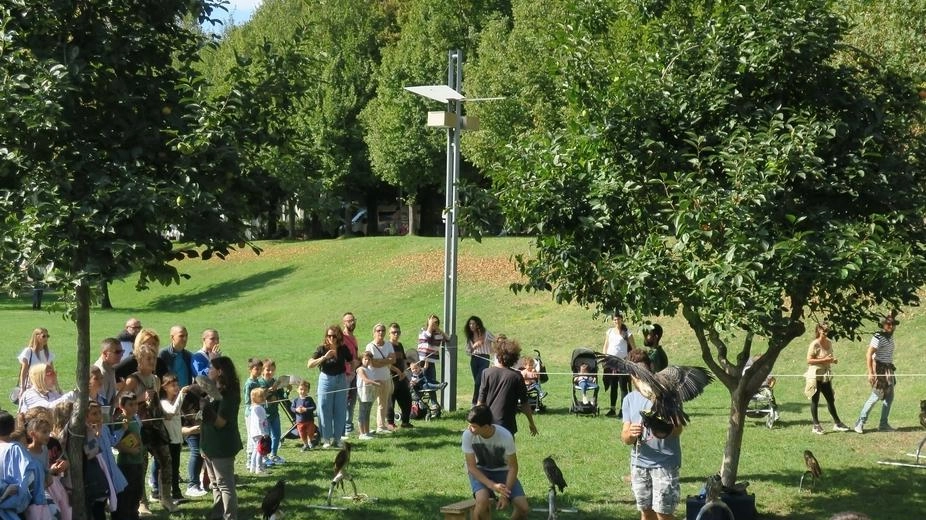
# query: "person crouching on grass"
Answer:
x=492 y=465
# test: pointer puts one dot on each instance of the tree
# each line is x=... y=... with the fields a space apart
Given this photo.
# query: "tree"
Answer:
x=106 y=144
x=735 y=162
x=286 y=43
x=403 y=152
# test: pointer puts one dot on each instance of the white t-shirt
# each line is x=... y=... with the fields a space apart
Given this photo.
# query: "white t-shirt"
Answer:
x=173 y=424
x=492 y=453
x=380 y=352
x=366 y=392
x=617 y=343
x=257 y=422
x=28 y=356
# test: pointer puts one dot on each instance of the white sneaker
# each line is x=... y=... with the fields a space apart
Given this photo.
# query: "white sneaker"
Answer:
x=366 y=437
x=326 y=445
x=195 y=491
x=382 y=431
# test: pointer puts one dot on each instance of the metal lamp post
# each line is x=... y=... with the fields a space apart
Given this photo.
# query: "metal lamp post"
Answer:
x=452 y=119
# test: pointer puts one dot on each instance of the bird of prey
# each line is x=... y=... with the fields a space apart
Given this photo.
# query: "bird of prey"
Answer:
x=812 y=465
x=554 y=475
x=341 y=462
x=813 y=470
x=270 y=506
x=208 y=386
x=667 y=389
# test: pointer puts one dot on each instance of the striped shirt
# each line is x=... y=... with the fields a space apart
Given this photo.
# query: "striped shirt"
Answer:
x=884 y=347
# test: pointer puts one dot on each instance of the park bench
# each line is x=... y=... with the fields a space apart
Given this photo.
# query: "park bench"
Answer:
x=458 y=510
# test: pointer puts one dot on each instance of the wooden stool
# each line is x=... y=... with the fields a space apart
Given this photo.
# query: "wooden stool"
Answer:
x=458 y=510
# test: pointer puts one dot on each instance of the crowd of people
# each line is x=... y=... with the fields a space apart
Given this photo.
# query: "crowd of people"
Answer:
x=146 y=401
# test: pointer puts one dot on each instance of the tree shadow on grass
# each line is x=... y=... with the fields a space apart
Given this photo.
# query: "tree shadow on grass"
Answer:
x=219 y=292
x=878 y=491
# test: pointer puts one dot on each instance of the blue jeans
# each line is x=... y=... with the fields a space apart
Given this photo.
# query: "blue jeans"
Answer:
x=275 y=438
x=477 y=363
x=885 y=408
x=332 y=406
x=351 y=403
x=195 y=465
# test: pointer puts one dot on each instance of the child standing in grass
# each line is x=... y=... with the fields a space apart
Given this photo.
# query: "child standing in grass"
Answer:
x=57 y=452
x=131 y=458
x=274 y=395
x=255 y=367
x=257 y=429
x=171 y=402
x=303 y=407
x=14 y=464
x=38 y=432
x=366 y=394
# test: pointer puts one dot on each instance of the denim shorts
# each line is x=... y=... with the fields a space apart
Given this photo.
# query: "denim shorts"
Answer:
x=499 y=476
x=656 y=488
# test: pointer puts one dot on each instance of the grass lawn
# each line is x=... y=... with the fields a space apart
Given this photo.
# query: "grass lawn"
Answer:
x=278 y=304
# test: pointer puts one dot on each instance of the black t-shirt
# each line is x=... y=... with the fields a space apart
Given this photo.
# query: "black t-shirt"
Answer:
x=333 y=367
x=503 y=391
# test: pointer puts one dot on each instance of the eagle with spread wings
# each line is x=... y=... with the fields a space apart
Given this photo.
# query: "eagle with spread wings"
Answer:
x=667 y=389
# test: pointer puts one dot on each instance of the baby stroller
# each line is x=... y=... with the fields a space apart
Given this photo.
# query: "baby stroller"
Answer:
x=535 y=393
x=582 y=403
x=422 y=406
x=763 y=404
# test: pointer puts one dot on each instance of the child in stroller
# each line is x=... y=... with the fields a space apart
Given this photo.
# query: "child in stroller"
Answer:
x=534 y=373
x=424 y=393
x=762 y=403
x=585 y=380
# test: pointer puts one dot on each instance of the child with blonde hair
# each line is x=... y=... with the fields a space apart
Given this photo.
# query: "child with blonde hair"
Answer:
x=257 y=430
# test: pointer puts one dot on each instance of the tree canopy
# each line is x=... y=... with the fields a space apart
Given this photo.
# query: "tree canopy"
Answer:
x=733 y=161
x=106 y=145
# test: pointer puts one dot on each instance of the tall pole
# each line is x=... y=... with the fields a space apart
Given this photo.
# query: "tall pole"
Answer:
x=451 y=238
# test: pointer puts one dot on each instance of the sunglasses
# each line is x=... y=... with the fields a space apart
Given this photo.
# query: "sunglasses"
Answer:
x=331 y=335
x=395 y=332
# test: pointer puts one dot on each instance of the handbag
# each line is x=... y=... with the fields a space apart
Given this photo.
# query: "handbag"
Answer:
x=14 y=395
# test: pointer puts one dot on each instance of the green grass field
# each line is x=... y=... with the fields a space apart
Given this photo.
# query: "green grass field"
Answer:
x=278 y=304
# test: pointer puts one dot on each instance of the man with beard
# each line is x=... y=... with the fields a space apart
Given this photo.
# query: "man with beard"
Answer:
x=348 y=324
x=657 y=356
x=879 y=360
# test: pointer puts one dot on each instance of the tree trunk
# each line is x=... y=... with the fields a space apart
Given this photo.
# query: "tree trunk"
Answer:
x=291 y=217
x=739 y=399
x=412 y=230
x=78 y=427
x=105 y=302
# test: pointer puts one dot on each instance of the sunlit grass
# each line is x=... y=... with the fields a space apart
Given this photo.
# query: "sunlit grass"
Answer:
x=278 y=304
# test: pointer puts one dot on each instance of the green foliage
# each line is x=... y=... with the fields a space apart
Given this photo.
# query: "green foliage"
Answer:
x=92 y=173
x=241 y=297
x=718 y=159
x=403 y=151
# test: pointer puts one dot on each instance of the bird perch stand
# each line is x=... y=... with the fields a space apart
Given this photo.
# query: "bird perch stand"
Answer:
x=812 y=482
x=552 y=510
x=917 y=456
